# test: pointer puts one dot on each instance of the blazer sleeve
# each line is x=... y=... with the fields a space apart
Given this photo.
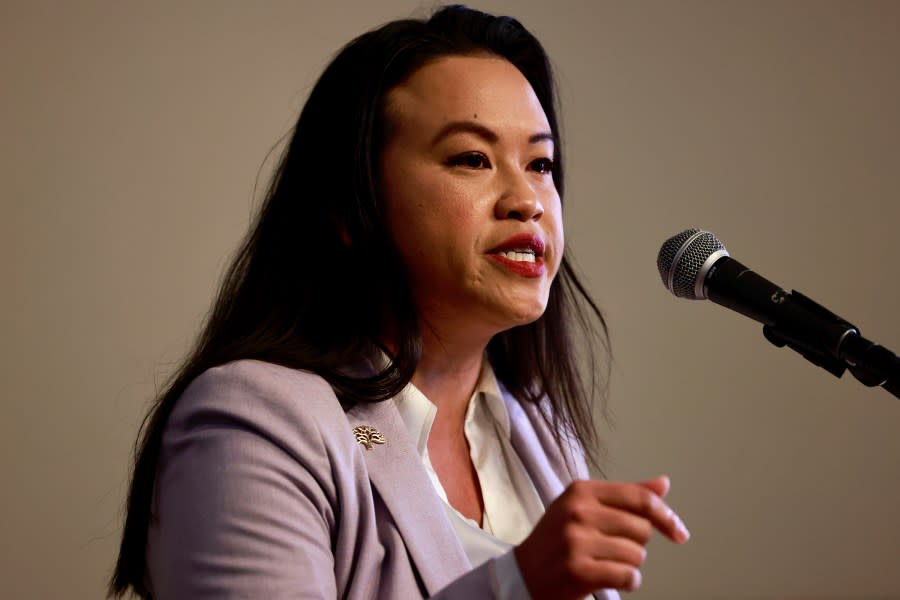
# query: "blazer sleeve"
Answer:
x=239 y=511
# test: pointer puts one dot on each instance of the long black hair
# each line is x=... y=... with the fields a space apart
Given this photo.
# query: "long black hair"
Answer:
x=317 y=284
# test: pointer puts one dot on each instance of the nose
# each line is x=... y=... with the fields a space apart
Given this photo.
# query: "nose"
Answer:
x=519 y=200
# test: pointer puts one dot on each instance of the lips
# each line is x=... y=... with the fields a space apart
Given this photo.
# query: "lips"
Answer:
x=523 y=242
x=521 y=254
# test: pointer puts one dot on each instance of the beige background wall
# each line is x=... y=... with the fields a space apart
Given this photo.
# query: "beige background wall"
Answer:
x=132 y=135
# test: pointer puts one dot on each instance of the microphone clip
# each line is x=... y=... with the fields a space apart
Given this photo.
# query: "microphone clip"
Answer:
x=871 y=364
x=798 y=340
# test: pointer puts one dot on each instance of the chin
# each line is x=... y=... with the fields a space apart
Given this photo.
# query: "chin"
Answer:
x=527 y=313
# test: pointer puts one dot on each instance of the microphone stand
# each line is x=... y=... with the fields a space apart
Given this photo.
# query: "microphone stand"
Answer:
x=871 y=364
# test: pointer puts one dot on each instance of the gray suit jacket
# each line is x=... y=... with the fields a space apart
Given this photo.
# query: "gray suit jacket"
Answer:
x=264 y=492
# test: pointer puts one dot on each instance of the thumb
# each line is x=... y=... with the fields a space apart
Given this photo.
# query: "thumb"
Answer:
x=659 y=486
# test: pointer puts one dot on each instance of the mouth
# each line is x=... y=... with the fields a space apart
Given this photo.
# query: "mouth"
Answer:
x=523 y=254
x=519 y=255
x=524 y=247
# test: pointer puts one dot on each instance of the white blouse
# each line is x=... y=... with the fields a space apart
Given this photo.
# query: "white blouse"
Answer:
x=512 y=506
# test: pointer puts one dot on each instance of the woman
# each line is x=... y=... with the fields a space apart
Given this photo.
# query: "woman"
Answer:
x=384 y=402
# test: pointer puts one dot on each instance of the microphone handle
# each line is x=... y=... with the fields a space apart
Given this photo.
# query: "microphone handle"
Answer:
x=792 y=319
x=796 y=318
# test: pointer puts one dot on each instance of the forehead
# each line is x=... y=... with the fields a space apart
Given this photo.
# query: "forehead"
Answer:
x=486 y=89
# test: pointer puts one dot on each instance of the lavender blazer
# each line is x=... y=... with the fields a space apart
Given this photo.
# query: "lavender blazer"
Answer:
x=264 y=492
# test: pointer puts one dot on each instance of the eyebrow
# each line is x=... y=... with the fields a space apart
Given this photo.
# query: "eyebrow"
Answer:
x=483 y=132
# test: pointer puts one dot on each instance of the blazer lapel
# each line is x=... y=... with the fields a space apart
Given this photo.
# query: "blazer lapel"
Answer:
x=534 y=443
x=399 y=476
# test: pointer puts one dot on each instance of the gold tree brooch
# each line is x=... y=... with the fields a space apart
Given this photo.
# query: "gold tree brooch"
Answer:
x=368 y=435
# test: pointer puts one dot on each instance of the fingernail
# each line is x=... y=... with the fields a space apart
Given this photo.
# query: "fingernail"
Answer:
x=635 y=580
x=685 y=535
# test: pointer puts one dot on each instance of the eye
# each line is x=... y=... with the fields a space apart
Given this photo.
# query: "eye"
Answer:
x=470 y=160
x=542 y=165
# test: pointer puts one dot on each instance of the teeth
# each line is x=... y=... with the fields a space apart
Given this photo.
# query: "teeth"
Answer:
x=519 y=256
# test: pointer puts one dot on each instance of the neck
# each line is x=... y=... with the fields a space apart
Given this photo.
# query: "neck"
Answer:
x=447 y=374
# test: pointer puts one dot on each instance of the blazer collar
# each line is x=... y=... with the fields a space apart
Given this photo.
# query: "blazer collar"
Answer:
x=397 y=473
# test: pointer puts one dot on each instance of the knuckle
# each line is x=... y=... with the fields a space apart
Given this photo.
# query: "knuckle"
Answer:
x=579 y=487
x=646 y=501
x=574 y=567
x=632 y=526
x=630 y=553
x=644 y=531
x=578 y=512
x=571 y=535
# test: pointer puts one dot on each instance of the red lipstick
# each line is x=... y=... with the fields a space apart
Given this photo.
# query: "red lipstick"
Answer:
x=523 y=254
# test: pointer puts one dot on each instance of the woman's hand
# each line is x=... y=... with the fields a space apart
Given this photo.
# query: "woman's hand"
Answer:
x=594 y=536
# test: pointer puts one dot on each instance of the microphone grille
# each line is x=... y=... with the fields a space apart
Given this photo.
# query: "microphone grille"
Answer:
x=681 y=259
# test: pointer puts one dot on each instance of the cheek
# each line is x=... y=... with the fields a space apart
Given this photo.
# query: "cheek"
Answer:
x=423 y=228
x=561 y=241
x=556 y=233
x=434 y=215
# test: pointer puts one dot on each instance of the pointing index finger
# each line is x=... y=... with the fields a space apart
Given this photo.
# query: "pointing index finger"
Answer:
x=640 y=500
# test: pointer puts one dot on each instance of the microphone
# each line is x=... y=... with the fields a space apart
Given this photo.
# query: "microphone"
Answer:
x=695 y=265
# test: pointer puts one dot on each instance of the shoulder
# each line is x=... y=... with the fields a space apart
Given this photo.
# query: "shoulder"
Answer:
x=288 y=407
x=255 y=463
x=261 y=385
x=261 y=381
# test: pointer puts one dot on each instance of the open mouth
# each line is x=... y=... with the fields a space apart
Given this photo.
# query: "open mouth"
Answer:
x=521 y=255
x=524 y=247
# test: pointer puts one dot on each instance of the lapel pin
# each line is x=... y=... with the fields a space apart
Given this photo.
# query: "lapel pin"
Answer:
x=368 y=435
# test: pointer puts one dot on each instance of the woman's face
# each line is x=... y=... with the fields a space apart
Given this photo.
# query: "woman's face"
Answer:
x=469 y=195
